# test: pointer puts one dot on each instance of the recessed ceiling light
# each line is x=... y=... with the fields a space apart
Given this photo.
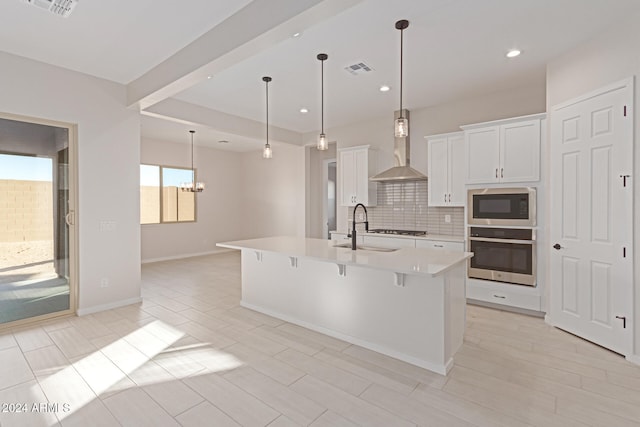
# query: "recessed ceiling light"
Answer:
x=384 y=88
x=296 y=35
x=513 y=53
x=304 y=110
x=208 y=77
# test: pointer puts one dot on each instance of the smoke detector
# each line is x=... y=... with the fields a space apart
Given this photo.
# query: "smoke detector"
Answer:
x=57 y=7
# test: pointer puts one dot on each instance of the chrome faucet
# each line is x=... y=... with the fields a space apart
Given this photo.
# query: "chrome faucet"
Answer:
x=353 y=230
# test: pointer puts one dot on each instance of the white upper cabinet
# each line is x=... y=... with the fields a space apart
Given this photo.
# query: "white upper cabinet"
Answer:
x=446 y=169
x=504 y=150
x=355 y=166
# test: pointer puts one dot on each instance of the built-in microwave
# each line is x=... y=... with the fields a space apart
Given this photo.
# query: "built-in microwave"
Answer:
x=502 y=207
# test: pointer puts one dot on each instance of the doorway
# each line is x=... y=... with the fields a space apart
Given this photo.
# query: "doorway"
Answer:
x=37 y=231
x=329 y=174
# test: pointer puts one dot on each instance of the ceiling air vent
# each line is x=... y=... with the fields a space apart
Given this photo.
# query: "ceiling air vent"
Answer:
x=57 y=7
x=359 y=68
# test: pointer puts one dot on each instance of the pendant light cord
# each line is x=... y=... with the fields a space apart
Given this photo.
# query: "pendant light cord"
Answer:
x=267 y=87
x=322 y=96
x=401 y=58
x=193 y=171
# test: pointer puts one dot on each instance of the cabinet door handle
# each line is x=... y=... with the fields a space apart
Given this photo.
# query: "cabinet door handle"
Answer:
x=445 y=197
x=499 y=296
x=449 y=197
x=496 y=172
x=501 y=172
x=438 y=246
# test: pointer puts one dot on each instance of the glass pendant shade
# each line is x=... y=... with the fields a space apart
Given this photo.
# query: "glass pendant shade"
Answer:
x=323 y=144
x=267 y=153
x=401 y=129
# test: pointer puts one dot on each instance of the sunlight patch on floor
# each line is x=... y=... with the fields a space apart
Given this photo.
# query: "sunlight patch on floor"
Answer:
x=104 y=376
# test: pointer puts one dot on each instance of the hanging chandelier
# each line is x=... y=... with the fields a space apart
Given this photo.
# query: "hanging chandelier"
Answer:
x=193 y=186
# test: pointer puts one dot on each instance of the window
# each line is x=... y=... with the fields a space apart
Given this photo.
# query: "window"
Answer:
x=161 y=199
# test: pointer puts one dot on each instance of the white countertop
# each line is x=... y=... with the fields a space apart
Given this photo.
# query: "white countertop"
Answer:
x=405 y=260
x=439 y=237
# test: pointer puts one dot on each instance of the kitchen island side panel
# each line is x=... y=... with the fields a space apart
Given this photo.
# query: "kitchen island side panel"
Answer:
x=415 y=322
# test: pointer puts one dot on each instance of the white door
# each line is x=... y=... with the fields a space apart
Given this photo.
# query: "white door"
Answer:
x=438 y=189
x=591 y=289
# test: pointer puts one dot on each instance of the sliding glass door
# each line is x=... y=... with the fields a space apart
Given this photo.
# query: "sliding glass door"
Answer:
x=36 y=221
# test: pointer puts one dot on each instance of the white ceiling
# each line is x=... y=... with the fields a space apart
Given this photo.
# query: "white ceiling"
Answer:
x=117 y=40
x=453 y=49
x=177 y=131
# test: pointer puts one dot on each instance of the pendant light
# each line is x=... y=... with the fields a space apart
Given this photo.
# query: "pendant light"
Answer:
x=193 y=186
x=266 y=152
x=401 y=128
x=323 y=144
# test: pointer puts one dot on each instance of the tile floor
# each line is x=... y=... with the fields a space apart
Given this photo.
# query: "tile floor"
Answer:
x=191 y=356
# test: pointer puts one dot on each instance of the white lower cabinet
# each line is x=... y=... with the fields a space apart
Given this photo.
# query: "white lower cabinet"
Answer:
x=436 y=244
x=504 y=294
x=389 y=242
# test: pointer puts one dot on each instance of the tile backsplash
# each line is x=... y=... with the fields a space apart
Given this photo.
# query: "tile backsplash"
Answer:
x=403 y=206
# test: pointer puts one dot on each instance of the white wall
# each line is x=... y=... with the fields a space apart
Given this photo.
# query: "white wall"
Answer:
x=610 y=57
x=218 y=207
x=433 y=120
x=274 y=193
x=108 y=157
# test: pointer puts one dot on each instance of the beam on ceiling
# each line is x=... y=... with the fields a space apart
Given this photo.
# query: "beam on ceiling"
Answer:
x=256 y=27
x=185 y=112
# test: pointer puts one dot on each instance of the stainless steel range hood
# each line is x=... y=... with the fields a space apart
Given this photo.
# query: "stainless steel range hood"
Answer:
x=402 y=170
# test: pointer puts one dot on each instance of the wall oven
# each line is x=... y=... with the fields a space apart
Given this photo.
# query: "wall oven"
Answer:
x=506 y=207
x=503 y=254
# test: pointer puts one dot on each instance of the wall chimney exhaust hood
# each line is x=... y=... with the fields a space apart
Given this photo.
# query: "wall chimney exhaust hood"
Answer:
x=402 y=170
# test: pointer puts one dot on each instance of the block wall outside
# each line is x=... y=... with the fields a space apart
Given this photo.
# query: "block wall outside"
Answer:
x=26 y=211
x=149 y=205
x=178 y=205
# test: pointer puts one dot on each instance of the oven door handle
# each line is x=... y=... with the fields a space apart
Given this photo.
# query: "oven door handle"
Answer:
x=488 y=239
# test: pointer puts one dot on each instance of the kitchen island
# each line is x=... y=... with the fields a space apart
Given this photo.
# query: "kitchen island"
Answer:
x=408 y=303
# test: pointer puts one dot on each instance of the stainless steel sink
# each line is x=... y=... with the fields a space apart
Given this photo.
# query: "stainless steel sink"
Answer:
x=366 y=248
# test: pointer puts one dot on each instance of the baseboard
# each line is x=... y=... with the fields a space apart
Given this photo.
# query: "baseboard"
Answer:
x=502 y=307
x=182 y=256
x=110 y=306
x=634 y=358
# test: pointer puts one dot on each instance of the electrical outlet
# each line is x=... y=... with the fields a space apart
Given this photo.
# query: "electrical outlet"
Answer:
x=107 y=225
x=104 y=282
x=447 y=219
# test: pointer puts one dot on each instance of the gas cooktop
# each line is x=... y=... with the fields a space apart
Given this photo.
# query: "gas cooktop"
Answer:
x=399 y=232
